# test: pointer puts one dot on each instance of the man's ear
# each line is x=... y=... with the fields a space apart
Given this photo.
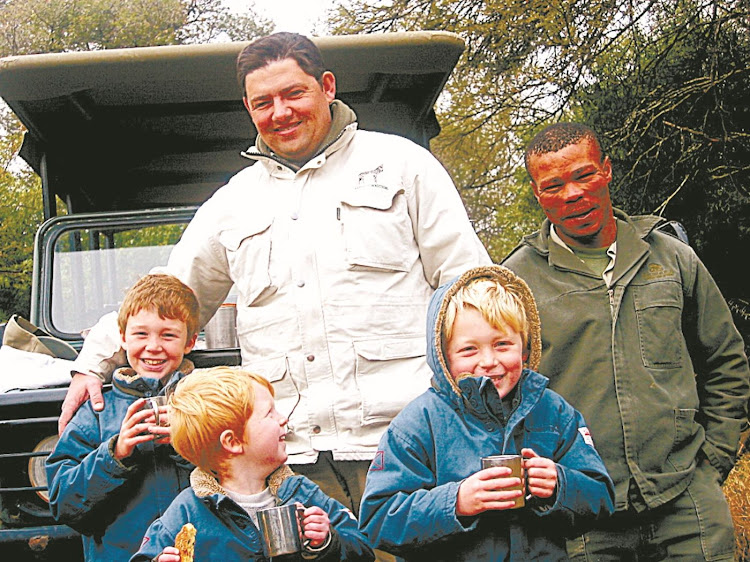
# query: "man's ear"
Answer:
x=230 y=443
x=246 y=103
x=607 y=168
x=328 y=83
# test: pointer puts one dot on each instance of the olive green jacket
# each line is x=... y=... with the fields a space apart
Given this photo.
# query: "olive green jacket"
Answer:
x=654 y=362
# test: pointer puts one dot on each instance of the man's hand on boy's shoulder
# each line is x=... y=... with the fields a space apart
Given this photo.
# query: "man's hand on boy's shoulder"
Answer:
x=81 y=387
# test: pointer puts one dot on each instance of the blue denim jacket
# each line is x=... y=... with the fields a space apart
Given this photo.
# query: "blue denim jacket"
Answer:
x=226 y=532
x=111 y=502
x=409 y=504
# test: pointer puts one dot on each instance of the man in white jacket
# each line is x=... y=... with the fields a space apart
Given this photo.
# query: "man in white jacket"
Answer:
x=335 y=240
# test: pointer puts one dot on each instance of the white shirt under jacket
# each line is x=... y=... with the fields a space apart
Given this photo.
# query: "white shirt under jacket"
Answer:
x=334 y=265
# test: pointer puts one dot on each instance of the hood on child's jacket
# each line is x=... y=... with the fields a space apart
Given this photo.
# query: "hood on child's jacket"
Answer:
x=436 y=311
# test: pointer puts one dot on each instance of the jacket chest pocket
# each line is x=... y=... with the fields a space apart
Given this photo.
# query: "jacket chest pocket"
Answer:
x=383 y=365
x=658 y=310
x=248 y=251
x=377 y=229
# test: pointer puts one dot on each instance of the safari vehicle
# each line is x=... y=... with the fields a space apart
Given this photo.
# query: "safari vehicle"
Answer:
x=131 y=141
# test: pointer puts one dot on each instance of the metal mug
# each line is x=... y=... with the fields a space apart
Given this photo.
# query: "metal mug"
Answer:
x=515 y=463
x=221 y=330
x=281 y=529
x=156 y=403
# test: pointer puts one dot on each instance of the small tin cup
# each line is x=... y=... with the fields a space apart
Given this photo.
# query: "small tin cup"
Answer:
x=515 y=463
x=159 y=405
x=281 y=528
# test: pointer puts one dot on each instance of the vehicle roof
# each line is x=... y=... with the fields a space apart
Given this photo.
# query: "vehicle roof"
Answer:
x=125 y=129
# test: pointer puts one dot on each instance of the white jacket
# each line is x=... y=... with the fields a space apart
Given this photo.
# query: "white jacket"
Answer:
x=334 y=266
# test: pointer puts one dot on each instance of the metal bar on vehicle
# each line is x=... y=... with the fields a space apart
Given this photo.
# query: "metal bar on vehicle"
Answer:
x=22 y=455
x=24 y=489
x=29 y=421
x=51 y=531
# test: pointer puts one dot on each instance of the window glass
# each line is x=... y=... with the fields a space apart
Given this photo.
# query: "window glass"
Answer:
x=93 y=268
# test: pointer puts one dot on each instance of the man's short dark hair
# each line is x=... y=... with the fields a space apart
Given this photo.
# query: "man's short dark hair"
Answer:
x=556 y=137
x=277 y=47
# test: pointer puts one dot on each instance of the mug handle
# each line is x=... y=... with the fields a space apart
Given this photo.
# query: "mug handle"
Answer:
x=300 y=520
x=155 y=407
x=525 y=481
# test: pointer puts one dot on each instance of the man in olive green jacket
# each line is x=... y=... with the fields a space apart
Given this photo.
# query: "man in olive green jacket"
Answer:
x=637 y=336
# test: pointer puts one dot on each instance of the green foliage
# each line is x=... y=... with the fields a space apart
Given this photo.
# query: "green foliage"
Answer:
x=19 y=215
x=523 y=60
x=677 y=127
x=44 y=26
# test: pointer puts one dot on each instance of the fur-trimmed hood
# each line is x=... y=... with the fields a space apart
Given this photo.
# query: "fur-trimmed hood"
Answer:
x=436 y=317
x=128 y=381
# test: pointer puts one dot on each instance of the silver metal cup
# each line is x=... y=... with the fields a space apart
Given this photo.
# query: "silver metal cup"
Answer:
x=221 y=330
x=281 y=529
x=514 y=462
x=157 y=404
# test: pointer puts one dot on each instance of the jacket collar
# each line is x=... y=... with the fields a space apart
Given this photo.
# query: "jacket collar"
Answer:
x=632 y=247
x=126 y=380
x=642 y=226
x=205 y=485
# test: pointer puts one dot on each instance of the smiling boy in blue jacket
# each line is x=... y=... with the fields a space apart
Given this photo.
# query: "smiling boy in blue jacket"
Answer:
x=426 y=496
x=113 y=472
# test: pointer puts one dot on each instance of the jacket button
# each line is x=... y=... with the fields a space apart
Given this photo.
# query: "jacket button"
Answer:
x=300 y=283
x=294 y=216
x=310 y=358
x=316 y=429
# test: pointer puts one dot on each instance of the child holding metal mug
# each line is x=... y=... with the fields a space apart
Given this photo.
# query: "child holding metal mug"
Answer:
x=225 y=422
x=113 y=472
x=427 y=497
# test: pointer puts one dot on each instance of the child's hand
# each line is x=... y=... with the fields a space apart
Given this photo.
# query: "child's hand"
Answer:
x=169 y=554
x=316 y=524
x=541 y=474
x=134 y=429
x=485 y=490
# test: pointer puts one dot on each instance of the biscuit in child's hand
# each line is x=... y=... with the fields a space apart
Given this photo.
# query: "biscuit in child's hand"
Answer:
x=185 y=542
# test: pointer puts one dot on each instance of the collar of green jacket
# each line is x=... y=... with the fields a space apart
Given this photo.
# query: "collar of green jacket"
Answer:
x=643 y=225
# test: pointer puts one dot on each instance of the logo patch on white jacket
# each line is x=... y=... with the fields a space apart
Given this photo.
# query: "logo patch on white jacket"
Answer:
x=370 y=178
